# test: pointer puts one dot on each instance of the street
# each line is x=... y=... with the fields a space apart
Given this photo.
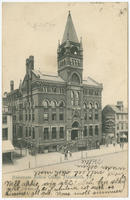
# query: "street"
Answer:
x=113 y=167
x=27 y=161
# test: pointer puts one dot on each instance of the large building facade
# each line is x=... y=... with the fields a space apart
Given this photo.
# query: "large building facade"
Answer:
x=51 y=110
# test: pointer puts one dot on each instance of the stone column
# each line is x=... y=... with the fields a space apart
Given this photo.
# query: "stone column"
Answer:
x=57 y=133
x=50 y=133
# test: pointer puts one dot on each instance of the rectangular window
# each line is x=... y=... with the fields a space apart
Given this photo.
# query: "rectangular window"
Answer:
x=122 y=126
x=90 y=92
x=20 y=117
x=45 y=116
x=90 y=130
x=61 y=117
x=20 y=106
x=54 y=133
x=96 y=93
x=20 y=131
x=33 y=133
x=117 y=126
x=90 y=116
x=29 y=116
x=46 y=134
x=96 y=116
x=14 y=117
x=5 y=134
x=122 y=117
x=4 y=119
x=29 y=131
x=85 y=131
x=14 y=131
x=26 y=132
x=26 y=117
x=54 y=116
x=126 y=125
x=61 y=132
x=33 y=116
x=96 y=130
x=118 y=117
x=54 y=90
x=85 y=116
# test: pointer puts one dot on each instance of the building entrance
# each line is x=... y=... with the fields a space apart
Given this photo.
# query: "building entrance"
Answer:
x=74 y=134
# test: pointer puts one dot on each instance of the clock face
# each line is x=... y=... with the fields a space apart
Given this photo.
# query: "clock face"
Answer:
x=74 y=50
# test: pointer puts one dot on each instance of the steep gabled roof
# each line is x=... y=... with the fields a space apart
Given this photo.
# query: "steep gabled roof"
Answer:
x=89 y=81
x=47 y=77
x=117 y=110
x=70 y=32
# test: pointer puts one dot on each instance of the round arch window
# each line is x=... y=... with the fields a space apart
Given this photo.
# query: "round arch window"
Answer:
x=53 y=104
x=96 y=106
x=75 y=78
x=45 y=104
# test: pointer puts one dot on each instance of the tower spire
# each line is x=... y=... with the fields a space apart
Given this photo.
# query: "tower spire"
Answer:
x=70 y=32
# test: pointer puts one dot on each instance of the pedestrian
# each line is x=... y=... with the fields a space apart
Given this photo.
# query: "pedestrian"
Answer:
x=70 y=153
x=114 y=144
x=120 y=144
x=66 y=155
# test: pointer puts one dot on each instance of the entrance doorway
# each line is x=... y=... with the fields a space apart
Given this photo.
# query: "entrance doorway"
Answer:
x=74 y=134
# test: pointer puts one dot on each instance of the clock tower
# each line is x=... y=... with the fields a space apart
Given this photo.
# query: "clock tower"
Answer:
x=70 y=55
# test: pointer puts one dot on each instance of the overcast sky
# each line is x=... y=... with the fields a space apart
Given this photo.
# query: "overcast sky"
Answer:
x=35 y=28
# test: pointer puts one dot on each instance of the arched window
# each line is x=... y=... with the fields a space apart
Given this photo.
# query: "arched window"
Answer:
x=53 y=104
x=45 y=104
x=75 y=78
x=75 y=125
x=90 y=105
x=61 y=105
x=84 y=105
x=96 y=106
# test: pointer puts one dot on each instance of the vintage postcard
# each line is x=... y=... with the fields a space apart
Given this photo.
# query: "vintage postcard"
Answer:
x=64 y=99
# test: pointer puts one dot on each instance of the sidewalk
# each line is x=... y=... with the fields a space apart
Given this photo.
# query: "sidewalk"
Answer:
x=41 y=160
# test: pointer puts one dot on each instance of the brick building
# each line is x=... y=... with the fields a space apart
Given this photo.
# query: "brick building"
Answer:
x=115 y=123
x=51 y=110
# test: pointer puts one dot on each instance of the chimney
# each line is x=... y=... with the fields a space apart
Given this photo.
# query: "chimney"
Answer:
x=120 y=105
x=11 y=86
x=31 y=62
x=27 y=65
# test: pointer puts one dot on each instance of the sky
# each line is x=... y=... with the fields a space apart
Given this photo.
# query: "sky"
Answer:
x=35 y=28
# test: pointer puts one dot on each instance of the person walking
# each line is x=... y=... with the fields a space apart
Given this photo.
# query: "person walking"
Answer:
x=70 y=154
x=66 y=155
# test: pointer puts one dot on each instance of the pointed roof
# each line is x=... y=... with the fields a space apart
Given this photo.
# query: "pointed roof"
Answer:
x=91 y=82
x=70 y=32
